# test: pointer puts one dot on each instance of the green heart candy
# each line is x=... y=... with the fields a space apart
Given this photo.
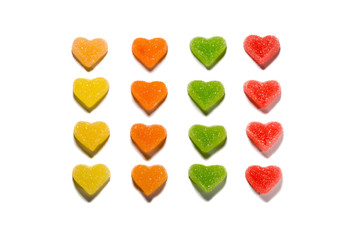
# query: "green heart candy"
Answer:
x=207 y=177
x=207 y=139
x=206 y=95
x=208 y=51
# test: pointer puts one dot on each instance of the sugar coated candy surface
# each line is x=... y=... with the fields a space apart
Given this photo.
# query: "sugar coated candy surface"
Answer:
x=263 y=179
x=149 y=95
x=149 y=52
x=207 y=177
x=262 y=94
x=91 y=136
x=90 y=92
x=206 y=138
x=206 y=95
x=149 y=178
x=91 y=178
x=89 y=52
x=208 y=51
x=263 y=50
x=264 y=136
x=148 y=138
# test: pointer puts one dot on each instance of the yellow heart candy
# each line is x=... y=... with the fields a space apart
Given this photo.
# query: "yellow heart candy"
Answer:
x=91 y=179
x=89 y=93
x=91 y=136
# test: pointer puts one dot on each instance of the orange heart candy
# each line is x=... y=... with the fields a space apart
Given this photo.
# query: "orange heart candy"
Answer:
x=149 y=178
x=149 y=52
x=149 y=95
x=89 y=52
x=148 y=139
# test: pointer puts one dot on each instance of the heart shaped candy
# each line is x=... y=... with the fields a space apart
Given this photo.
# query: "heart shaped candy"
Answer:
x=149 y=52
x=89 y=93
x=207 y=177
x=149 y=95
x=206 y=95
x=262 y=94
x=91 y=136
x=263 y=179
x=264 y=136
x=91 y=178
x=149 y=139
x=207 y=139
x=208 y=51
x=149 y=178
x=262 y=50
x=89 y=52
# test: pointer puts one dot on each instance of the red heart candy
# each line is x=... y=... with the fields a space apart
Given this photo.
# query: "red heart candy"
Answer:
x=262 y=94
x=263 y=179
x=264 y=136
x=262 y=50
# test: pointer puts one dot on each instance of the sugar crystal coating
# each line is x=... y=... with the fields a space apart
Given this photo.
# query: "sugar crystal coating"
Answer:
x=206 y=95
x=264 y=136
x=149 y=95
x=91 y=136
x=149 y=178
x=89 y=52
x=208 y=51
x=91 y=178
x=207 y=177
x=90 y=92
x=262 y=50
x=262 y=94
x=148 y=138
x=263 y=179
x=149 y=52
x=207 y=138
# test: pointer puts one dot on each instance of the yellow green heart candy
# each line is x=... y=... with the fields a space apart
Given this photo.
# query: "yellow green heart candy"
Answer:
x=207 y=177
x=207 y=139
x=208 y=51
x=206 y=95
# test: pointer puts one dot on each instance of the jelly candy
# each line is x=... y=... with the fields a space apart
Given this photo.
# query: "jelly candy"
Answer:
x=149 y=95
x=91 y=178
x=208 y=51
x=207 y=177
x=89 y=52
x=89 y=93
x=91 y=136
x=264 y=136
x=263 y=179
x=262 y=50
x=262 y=94
x=149 y=52
x=149 y=178
x=206 y=95
x=207 y=139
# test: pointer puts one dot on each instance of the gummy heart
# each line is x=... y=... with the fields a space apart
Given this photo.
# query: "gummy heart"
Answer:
x=206 y=95
x=149 y=95
x=262 y=50
x=207 y=139
x=89 y=93
x=207 y=177
x=91 y=178
x=91 y=136
x=148 y=139
x=208 y=51
x=149 y=52
x=264 y=136
x=262 y=94
x=149 y=178
x=89 y=52
x=263 y=179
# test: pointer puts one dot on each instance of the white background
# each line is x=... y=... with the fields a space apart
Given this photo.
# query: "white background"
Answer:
x=318 y=69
